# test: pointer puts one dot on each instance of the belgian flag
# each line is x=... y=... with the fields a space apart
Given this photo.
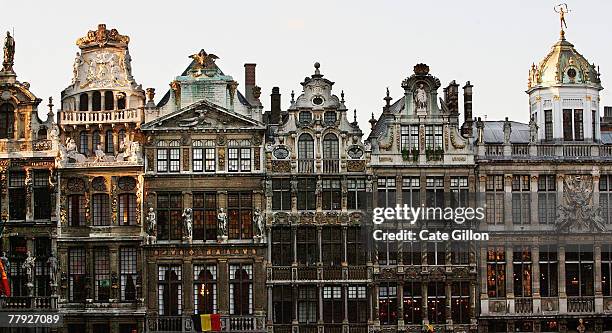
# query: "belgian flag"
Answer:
x=5 y=287
x=206 y=322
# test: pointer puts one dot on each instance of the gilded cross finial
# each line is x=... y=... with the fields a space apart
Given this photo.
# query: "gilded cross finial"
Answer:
x=562 y=9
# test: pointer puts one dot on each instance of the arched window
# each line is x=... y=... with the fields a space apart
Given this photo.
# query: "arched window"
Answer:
x=110 y=148
x=42 y=134
x=84 y=102
x=205 y=288
x=121 y=101
x=330 y=153
x=84 y=143
x=95 y=140
x=109 y=100
x=7 y=118
x=96 y=101
x=306 y=153
x=241 y=289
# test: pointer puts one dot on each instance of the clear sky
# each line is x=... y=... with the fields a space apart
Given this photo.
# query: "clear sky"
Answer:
x=363 y=46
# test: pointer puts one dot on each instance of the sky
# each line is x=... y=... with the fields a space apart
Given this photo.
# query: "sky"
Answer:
x=363 y=46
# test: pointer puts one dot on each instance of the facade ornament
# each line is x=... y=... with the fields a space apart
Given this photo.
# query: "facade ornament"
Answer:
x=533 y=131
x=151 y=226
x=53 y=265
x=507 y=131
x=221 y=225
x=187 y=224
x=420 y=98
x=480 y=131
x=578 y=212
x=203 y=60
x=101 y=37
x=258 y=224
x=75 y=67
x=101 y=155
x=28 y=266
x=150 y=94
x=268 y=187
x=294 y=185
x=9 y=53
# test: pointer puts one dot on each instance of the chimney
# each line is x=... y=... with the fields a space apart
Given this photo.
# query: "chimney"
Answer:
x=275 y=106
x=251 y=90
x=466 y=129
x=451 y=98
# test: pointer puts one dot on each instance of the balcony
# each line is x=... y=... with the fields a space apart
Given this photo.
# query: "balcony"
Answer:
x=229 y=323
x=331 y=165
x=29 y=303
x=306 y=165
x=562 y=151
x=580 y=304
x=523 y=305
x=101 y=117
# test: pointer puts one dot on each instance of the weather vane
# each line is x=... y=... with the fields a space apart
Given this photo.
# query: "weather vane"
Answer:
x=561 y=9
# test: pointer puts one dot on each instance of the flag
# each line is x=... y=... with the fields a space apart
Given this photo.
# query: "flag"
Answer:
x=206 y=322
x=5 y=286
x=429 y=328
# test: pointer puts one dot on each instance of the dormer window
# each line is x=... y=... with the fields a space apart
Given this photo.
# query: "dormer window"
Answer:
x=305 y=116
x=7 y=119
x=329 y=117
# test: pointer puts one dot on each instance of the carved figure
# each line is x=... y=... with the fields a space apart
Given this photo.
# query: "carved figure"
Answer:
x=28 y=266
x=258 y=223
x=53 y=265
x=151 y=222
x=187 y=223
x=9 y=52
x=420 y=98
x=222 y=223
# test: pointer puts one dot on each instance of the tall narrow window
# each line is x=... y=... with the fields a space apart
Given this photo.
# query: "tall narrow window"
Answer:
x=282 y=246
x=436 y=302
x=460 y=302
x=435 y=192
x=239 y=156
x=95 y=140
x=412 y=300
x=521 y=260
x=495 y=199
x=7 y=120
x=102 y=274
x=521 y=199
x=241 y=289
x=387 y=303
x=606 y=269
x=605 y=198
x=17 y=195
x=306 y=197
x=459 y=191
x=355 y=252
x=42 y=251
x=84 y=143
x=127 y=209
x=205 y=288
x=240 y=213
x=168 y=156
x=42 y=195
x=548 y=125
x=331 y=194
x=548 y=271
x=460 y=254
x=76 y=210
x=386 y=191
x=101 y=209
x=203 y=156
x=547 y=199
x=108 y=142
x=411 y=191
x=568 y=130
x=121 y=101
x=356 y=198
x=333 y=304
x=282 y=304
x=496 y=272
x=109 y=100
x=331 y=243
x=169 y=216
x=83 y=102
x=594 y=125
x=306 y=153
x=436 y=254
x=76 y=274
x=205 y=216
x=18 y=277
x=169 y=290
x=579 y=267
x=308 y=305
x=281 y=194
x=331 y=162
x=307 y=246
x=411 y=254
x=578 y=125
x=128 y=273
x=96 y=101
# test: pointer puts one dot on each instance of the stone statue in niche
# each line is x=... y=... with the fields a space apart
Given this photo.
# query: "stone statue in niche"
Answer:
x=533 y=131
x=151 y=226
x=420 y=98
x=258 y=225
x=29 y=265
x=53 y=265
x=221 y=225
x=187 y=224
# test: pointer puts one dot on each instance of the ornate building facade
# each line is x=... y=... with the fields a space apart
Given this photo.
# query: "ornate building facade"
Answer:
x=204 y=168
x=420 y=158
x=100 y=178
x=318 y=273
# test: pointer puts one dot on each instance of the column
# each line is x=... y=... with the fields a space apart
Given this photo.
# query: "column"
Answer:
x=508 y=201
x=400 y=304
x=424 y=313
x=188 y=300
x=447 y=305
x=597 y=271
x=114 y=264
x=151 y=289
x=562 y=294
x=90 y=100
x=223 y=286
x=509 y=279
x=535 y=278
x=259 y=280
x=534 y=199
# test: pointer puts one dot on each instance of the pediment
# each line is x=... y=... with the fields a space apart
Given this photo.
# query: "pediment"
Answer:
x=202 y=115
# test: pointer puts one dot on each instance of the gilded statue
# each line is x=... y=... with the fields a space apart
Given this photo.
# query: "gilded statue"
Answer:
x=204 y=60
x=562 y=10
x=9 y=52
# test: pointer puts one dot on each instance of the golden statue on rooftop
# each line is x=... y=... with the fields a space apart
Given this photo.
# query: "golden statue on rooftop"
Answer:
x=204 y=60
x=562 y=9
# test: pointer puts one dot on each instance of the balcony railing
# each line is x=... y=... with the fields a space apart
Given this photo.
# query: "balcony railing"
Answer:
x=331 y=165
x=26 y=302
x=565 y=150
x=580 y=304
x=311 y=273
x=134 y=115
x=229 y=323
x=523 y=305
x=306 y=165
x=494 y=150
